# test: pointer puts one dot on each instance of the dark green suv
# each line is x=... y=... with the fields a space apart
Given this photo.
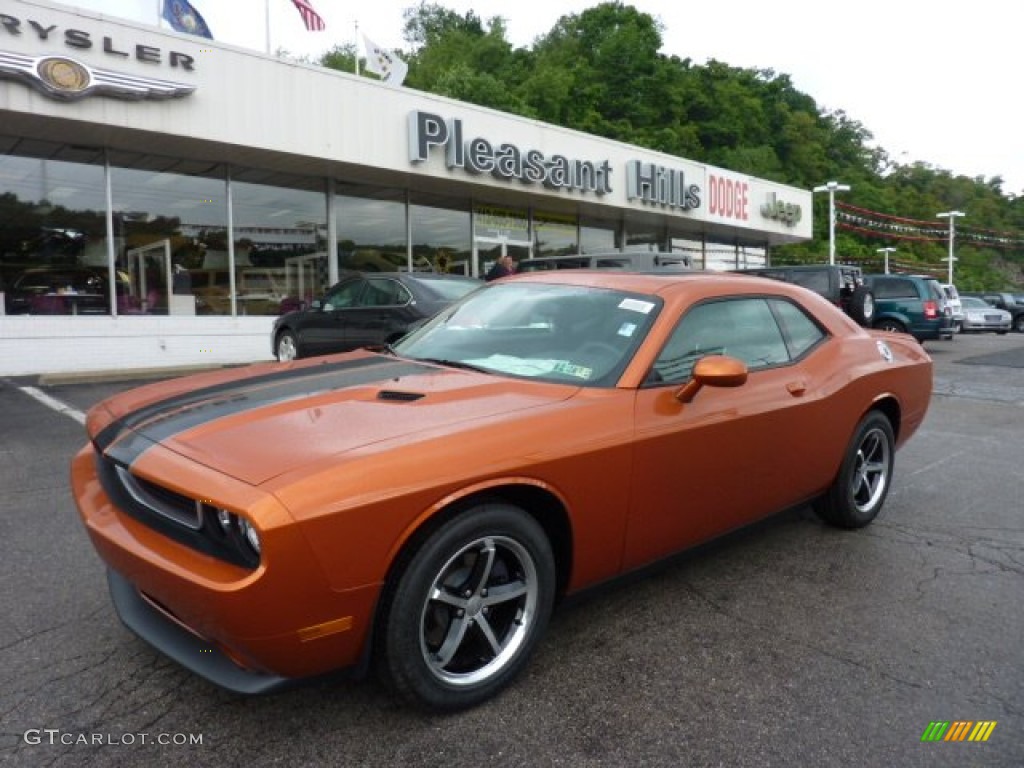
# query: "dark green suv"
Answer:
x=913 y=304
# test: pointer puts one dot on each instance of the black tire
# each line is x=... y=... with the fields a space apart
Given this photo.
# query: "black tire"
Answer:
x=860 y=488
x=286 y=347
x=888 y=324
x=1018 y=323
x=862 y=306
x=462 y=617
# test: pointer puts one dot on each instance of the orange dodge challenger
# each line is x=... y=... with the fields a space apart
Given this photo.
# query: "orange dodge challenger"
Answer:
x=419 y=509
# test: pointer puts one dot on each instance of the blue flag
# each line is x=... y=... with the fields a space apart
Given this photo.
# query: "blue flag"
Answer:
x=184 y=18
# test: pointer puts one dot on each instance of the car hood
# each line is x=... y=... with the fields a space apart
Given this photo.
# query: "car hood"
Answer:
x=261 y=424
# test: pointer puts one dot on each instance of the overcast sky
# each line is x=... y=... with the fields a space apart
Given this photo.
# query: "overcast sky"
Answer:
x=933 y=80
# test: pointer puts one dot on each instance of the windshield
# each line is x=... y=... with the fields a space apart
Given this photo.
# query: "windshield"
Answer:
x=551 y=332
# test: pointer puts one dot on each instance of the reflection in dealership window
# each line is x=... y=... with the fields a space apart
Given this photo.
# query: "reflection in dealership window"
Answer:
x=162 y=220
x=598 y=235
x=440 y=235
x=371 y=229
x=554 y=234
x=280 y=244
x=53 y=256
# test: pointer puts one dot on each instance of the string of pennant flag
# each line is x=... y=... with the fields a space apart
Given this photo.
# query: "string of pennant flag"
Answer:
x=874 y=224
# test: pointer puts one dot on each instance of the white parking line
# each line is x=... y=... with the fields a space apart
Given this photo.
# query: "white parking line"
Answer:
x=55 y=404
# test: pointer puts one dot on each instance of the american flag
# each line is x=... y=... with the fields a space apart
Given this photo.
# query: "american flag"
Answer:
x=310 y=18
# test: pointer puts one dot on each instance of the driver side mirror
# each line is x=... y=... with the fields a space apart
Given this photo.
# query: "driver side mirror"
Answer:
x=713 y=371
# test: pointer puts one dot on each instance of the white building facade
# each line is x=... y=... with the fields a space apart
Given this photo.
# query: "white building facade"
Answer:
x=163 y=196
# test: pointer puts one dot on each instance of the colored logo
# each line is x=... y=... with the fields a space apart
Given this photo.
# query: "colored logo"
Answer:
x=958 y=730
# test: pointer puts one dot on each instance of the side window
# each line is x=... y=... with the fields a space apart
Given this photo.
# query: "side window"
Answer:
x=741 y=328
x=801 y=332
x=384 y=292
x=344 y=295
x=894 y=288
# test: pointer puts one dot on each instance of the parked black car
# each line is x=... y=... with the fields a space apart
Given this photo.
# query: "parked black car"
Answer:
x=366 y=310
x=914 y=304
x=1012 y=303
x=842 y=284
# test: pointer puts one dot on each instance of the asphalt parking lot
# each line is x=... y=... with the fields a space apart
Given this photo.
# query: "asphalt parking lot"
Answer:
x=791 y=644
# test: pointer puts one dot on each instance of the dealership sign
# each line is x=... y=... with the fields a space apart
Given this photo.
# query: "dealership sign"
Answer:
x=645 y=182
x=68 y=79
x=503 y=161
x=788 y=213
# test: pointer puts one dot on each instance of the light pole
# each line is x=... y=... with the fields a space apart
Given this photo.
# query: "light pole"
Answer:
x=952 y=216
x=886 y=251
x=832 y=187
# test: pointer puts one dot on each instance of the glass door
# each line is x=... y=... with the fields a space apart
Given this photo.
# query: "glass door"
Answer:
x=487 y=251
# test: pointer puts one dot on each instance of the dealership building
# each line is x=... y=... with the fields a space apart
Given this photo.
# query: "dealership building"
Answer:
x=164 y=196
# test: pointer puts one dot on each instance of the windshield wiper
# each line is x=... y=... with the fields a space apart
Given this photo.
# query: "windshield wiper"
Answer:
x=453 y=364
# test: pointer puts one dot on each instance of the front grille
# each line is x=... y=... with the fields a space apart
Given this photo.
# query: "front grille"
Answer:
x=175 y=515
x=163 y=501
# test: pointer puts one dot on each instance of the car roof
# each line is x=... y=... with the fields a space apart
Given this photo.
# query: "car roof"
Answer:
x=656 y=282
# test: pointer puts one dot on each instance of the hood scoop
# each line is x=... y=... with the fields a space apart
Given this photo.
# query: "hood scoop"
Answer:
x=398 y=396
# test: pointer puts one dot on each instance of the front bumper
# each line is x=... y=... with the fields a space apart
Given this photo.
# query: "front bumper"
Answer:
x=247 y=630
x=188 y=649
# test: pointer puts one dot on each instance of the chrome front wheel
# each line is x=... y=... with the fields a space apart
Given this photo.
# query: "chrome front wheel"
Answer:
x=462 y=616
x=479 y=611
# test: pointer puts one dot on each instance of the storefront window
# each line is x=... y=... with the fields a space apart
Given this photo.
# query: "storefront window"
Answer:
x=53 y=255
x=500 y=231
x=693 y=249
x=171 y=241
x=554 y=234
x=371 y=229
x=440 y=235
x=280 y=235
x=645 y=236
x=597 y=235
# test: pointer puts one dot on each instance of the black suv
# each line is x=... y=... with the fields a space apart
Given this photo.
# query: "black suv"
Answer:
x=841 y=284
x=1012 y=303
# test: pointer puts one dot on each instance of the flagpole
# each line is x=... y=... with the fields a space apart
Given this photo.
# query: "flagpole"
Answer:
x=357 y=47
x=266 y=19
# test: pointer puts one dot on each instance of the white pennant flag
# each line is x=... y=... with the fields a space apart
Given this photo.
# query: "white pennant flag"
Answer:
x=392 y=70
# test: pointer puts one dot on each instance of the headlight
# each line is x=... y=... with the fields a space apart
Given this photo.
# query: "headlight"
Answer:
x=250 y=533
x=239 y=530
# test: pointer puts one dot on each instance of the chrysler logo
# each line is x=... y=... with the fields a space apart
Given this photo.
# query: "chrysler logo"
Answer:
x=66 y=79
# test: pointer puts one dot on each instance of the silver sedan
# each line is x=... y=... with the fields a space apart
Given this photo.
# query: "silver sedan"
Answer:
x=979 y=316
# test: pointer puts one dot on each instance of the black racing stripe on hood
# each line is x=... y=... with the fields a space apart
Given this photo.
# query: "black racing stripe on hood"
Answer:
x=177 y=414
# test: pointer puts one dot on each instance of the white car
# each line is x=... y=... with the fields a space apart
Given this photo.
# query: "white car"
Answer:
x=979 y=316
x=955 y=306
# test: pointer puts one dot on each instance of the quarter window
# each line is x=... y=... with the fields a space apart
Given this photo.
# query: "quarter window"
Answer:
x=801 y=332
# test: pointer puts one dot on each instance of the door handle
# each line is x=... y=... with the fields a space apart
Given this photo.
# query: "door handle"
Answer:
x=797 y=388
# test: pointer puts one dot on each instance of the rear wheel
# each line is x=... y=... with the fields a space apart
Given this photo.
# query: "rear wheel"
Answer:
x=286 y=348
x=859 y=490
x=463 y=616
x=888 y=324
